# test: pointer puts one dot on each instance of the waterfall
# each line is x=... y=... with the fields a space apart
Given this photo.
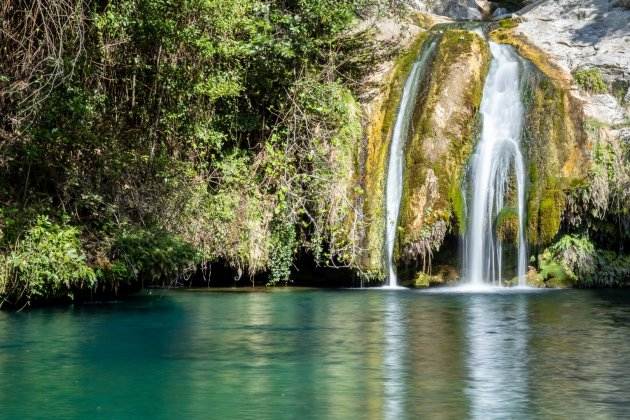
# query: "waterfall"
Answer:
x=496 y=158
x=393 y=188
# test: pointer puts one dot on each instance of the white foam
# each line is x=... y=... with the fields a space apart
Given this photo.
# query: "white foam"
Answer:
x=476 y=288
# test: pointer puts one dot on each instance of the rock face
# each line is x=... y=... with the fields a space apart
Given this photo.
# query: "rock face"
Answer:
x=578 y=34
x=604 y=108
x=455 y=9
x=555 y=145
x=557 y=38
x=380 y=111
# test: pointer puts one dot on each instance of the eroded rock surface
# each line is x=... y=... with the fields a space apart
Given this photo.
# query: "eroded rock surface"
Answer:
x=455 y=9
x=604 y=108
x=578 y=34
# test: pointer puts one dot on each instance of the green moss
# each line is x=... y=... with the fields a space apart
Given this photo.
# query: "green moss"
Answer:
x=590 y=80
x=550 y=215
x=422 y=280
x=508 y=23
x=442 y=275
x=442 y=140
x=458 y=204
x=556 y=152
x=507 y=225
x=545 y=209
x=552 y=273
x=378 y=137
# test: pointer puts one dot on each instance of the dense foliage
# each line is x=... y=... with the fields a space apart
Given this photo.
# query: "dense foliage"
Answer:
x=147 y=138
x=47 y=262
x=146 y=141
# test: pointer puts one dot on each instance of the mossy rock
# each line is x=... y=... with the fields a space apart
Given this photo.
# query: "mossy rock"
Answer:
x=442 y=275
x=552 y=273
x=507 y=225
x=508 y=23
x=505 y=34
x=442 y=139
x=556 y=150
x=555 y=144
x=550 y=215
x=382 y=114
x=545 y=214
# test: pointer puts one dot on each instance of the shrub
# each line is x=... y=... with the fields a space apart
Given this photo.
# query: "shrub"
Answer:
x=151 y=255
x=590 y=80
x=587 y=266
x=552 y=272
x=283 y=247
x=613 y=270
x=48 y=263
x=577 y=256
x=5 y=272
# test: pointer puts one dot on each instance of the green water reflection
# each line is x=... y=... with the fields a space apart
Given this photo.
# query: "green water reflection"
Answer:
x=322 y=354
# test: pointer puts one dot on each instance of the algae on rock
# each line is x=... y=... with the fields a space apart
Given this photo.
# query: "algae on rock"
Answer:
x=443 y=137
x=555 y=143
x=379 y=131
x=440 y=141
x=556 y=150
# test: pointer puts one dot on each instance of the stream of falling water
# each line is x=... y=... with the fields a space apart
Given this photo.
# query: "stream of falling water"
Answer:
x=496 y=155
x=393 y=188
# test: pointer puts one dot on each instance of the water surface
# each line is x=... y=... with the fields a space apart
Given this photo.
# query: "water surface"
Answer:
x=322 y=354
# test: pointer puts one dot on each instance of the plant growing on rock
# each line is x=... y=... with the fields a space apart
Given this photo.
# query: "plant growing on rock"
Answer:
x=590 y=80
x=598 y=204
x=576 y=254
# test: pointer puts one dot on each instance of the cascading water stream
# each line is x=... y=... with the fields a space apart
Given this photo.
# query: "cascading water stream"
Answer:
x=393 y=188
x=497 y=154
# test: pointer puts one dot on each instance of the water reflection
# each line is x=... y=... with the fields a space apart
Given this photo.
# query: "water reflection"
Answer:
x=313 y=355
x=394 y=365
x=497 y=356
